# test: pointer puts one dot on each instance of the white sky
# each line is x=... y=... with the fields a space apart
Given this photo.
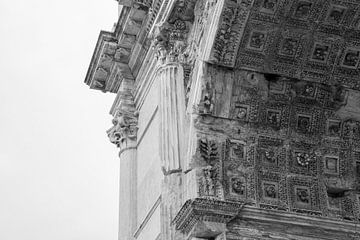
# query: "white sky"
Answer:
x=58 y=171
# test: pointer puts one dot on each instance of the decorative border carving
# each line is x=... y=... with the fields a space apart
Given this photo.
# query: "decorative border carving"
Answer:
x=200 y=209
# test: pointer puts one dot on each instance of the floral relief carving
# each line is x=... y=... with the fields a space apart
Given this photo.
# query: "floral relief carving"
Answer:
x=209 y=152
x=302 y=10
x=232 y=24
x=270 y=190
x=336 y=14
x=302 y=195
x=304 y=159
x=238 y=186
x=270 y=156
x=351 y=129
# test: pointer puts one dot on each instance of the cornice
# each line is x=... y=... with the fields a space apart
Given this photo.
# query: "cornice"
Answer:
x=106 y=41
x=253 y=213
x=220 y=211
x=119 y=54
x=113 y=53
x=205 y=209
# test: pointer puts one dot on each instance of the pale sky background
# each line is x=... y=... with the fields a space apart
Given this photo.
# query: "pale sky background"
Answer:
x=58 y=171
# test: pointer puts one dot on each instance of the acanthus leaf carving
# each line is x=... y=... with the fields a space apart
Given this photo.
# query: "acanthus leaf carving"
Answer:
x=208 y=150
x=123 y=133
x=210 y=155
x=124 y=130
x=171 y=36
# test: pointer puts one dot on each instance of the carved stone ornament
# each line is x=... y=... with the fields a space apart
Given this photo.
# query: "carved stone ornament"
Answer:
x=230 y=30
x=136 y=3
x=270 y=156
x=124 y=131
x=171 y=36
x=206 y=106
x=302 y=195
x=238 y=185
x=304 y=159
x=351 y=129
x=270 y=190
x=210 y=154
x=201 y=210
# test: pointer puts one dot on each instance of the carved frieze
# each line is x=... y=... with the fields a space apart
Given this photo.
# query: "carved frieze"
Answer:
x=139 y=3
x=229 y=32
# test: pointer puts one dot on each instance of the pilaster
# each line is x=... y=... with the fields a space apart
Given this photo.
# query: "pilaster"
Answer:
x=172 y=114
x=171 y=47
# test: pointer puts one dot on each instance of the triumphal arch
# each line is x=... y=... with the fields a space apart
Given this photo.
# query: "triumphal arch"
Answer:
x=235 y=119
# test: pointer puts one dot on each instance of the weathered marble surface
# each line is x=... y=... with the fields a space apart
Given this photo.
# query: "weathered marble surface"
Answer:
x=251 y=109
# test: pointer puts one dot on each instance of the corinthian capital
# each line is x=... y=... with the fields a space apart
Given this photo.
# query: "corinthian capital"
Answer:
x=171 y=35
x=124 y=132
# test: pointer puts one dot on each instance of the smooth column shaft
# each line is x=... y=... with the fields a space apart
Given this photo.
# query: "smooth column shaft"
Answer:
x=127 y=198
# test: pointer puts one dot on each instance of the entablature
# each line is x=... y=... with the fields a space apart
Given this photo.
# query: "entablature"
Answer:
x=112 y=58
x=209 y=219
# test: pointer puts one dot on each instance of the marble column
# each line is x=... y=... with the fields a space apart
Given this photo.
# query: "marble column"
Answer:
x=127 y=197
x=172 y=114
x=123 y=134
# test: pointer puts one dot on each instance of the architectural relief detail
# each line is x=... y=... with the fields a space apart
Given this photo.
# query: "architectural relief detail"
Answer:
x=281 y=39
x=274 y=156
x=304 y=159
x=100 y=70
x=136 y=3
x=200 y=210
x=125 y=122
x=209 y=152
x=111 y=58
x=124 y=132
x=229 y=33
x=351 y=129
x=112 y=66
x=171 y=36
x=271 y=129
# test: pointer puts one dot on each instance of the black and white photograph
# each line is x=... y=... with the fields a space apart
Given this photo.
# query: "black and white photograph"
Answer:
x=180 y=120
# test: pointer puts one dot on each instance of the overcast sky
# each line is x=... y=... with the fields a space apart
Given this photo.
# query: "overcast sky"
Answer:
x=58 y=171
